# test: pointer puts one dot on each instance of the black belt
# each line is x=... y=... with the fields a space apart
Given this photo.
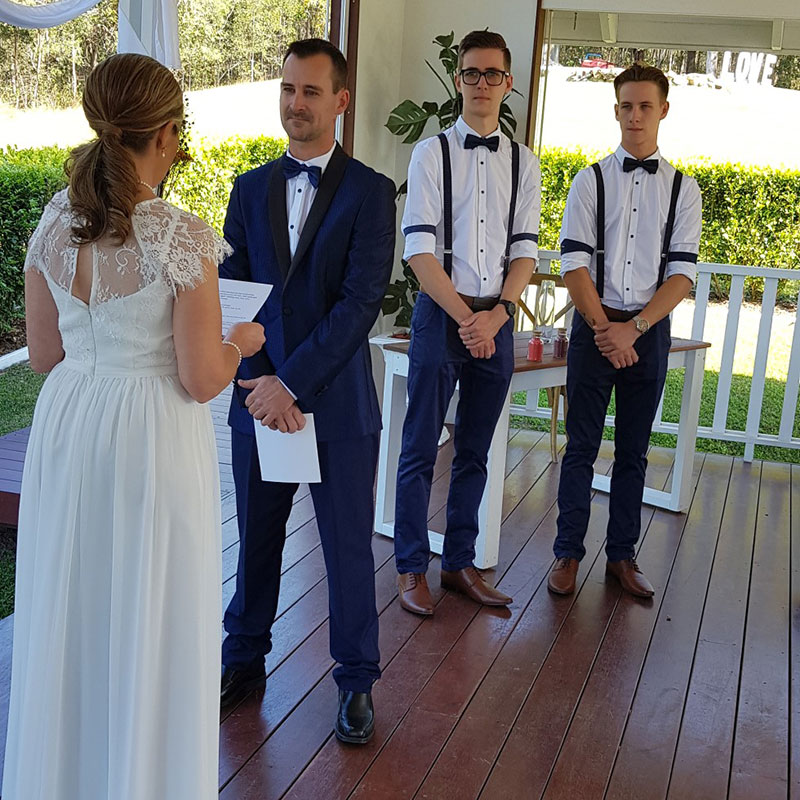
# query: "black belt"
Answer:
x=615 y=315
x=479 y=303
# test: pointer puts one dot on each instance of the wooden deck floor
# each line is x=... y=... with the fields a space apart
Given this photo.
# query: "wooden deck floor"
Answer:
x=695 y=694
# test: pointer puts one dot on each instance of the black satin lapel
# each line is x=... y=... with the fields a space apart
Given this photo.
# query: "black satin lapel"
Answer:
x=331 y=179
x=278 y=221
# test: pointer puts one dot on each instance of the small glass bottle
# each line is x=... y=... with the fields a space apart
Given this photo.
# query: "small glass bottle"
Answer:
x=560 y=344
x=536 y=346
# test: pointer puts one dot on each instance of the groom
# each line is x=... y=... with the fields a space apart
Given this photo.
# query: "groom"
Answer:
x=320 y=227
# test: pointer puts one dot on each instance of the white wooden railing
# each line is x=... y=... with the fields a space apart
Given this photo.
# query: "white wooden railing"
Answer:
x=727 y=339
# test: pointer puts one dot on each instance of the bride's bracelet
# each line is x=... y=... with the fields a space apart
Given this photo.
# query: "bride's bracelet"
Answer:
x=236 y=347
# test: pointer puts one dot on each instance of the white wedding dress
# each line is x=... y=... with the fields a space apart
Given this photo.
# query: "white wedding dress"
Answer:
x=116 y=665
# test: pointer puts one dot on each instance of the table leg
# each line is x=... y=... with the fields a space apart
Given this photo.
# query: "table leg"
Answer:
x=680 y=494
x=490 y=513
x=394 y=412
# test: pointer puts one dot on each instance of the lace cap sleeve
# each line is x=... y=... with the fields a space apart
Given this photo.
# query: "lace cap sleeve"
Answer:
x=49 y=233
x=186 y=247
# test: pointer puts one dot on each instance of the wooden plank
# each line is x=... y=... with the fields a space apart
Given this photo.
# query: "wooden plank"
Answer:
x=333 y=773
x=703 y=755
x=416 y=742
x=585 y=760
x=760 y=761
x=555 y=698
x=644 y=761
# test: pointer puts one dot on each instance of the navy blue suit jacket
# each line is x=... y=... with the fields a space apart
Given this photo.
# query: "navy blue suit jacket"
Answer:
x=326 y=299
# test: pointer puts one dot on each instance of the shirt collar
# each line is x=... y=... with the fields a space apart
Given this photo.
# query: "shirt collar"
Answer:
x=317 y=161
x=621 y=154
x=463 y=129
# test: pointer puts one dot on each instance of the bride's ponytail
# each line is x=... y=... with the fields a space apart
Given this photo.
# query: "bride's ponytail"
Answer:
x=128 y=97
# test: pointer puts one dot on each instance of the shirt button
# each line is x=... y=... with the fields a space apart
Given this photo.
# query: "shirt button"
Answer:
x=481 y=251
x=287 y=312
x=482 y=162
x=629 y=262
x=634 y=209
x=631 y=236
x=627 y=290
x=299 y=191
x=637 y=183
x=291 y=228
x=482 y=191
x=484 y=278
x=481 y=221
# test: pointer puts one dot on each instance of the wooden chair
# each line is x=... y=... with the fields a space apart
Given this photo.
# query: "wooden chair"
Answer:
x=556 y=392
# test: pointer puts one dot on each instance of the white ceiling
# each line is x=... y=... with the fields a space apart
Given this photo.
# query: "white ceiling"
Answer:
x=770 y=25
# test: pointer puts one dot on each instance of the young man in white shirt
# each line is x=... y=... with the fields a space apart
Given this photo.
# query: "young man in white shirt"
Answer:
x=473 y=263
x=629 y=243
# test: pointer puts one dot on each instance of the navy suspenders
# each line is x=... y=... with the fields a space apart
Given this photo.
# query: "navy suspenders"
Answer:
x=600 y=261
x=447 y=187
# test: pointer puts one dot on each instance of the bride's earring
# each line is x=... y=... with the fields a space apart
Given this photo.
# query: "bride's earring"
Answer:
x=163 y=154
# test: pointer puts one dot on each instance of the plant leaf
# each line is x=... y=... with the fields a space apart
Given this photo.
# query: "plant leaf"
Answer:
x=408 y=119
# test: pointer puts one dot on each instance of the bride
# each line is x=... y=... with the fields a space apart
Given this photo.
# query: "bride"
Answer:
x=115 y=672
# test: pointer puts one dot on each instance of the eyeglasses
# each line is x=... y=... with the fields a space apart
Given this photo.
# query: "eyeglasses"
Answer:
x=494 y=77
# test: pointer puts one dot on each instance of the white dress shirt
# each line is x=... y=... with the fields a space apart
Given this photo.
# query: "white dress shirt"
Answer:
x=481 y=199
x=637 y=205
x=300 y=196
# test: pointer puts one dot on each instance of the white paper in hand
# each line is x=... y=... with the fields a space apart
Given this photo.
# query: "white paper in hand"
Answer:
x=288 y=457
x=241 y=301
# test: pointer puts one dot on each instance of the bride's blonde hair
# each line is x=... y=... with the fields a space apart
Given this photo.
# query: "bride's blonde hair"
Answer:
x=127 y=98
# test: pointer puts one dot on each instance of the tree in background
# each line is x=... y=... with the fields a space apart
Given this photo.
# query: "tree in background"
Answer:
x=221 y=42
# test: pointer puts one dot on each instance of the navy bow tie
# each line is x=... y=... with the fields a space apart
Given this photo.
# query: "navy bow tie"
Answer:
x=630 y=164
x=472 y=141
x=292 y=168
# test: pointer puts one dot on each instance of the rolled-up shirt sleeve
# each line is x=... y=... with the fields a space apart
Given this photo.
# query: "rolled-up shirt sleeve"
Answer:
x=685 y=242
x=423 y=211
x=579 y=224
x=525 y=235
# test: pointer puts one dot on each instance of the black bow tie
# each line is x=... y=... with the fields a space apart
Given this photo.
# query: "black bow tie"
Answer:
x=472 y=141
x=292 y=168
x=630 y=164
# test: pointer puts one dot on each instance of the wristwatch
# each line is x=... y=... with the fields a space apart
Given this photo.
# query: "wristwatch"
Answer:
x=642 y=325
x=510 y=308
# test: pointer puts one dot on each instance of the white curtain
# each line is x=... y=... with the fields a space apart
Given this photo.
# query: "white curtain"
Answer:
x=44 y=16
x=149 y=27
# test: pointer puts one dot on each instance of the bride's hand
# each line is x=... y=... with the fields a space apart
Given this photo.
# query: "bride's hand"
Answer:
x=248 y=336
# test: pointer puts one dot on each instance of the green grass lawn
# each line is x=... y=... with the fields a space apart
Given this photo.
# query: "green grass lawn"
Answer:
x=19 y=388
x=737 y=415
x=7 y=564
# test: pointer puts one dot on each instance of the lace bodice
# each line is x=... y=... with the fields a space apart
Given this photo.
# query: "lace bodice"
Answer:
x=126 y=328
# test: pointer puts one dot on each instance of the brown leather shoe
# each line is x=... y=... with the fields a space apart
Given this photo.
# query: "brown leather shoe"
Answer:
x=468 y=581
x=562 y=576
x=415 y=596
x=633 y=580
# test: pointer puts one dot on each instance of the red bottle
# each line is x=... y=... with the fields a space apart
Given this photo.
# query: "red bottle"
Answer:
x=535 y=347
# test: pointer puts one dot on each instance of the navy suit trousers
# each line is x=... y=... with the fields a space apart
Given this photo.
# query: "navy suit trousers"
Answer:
x=344 y=508
x=637 y=390
x=437 y=360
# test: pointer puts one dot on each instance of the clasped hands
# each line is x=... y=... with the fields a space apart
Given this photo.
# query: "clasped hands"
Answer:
x=615 y=341
x=477 y=331
x=272 y=405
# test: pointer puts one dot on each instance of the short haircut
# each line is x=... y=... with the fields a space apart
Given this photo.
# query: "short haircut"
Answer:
x=305 y=48
x=642 y=72
x=484 y=40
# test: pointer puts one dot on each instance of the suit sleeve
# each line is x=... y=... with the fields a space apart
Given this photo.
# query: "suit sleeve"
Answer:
x=236 y=265
x=339 y=334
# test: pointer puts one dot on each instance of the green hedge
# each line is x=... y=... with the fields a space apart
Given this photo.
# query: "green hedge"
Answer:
x=751 y=216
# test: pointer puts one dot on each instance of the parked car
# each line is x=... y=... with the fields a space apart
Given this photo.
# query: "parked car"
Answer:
x=595 y=61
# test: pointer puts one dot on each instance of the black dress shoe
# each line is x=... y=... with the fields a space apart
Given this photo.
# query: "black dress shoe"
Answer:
x=355 y=722
x=238 y=683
